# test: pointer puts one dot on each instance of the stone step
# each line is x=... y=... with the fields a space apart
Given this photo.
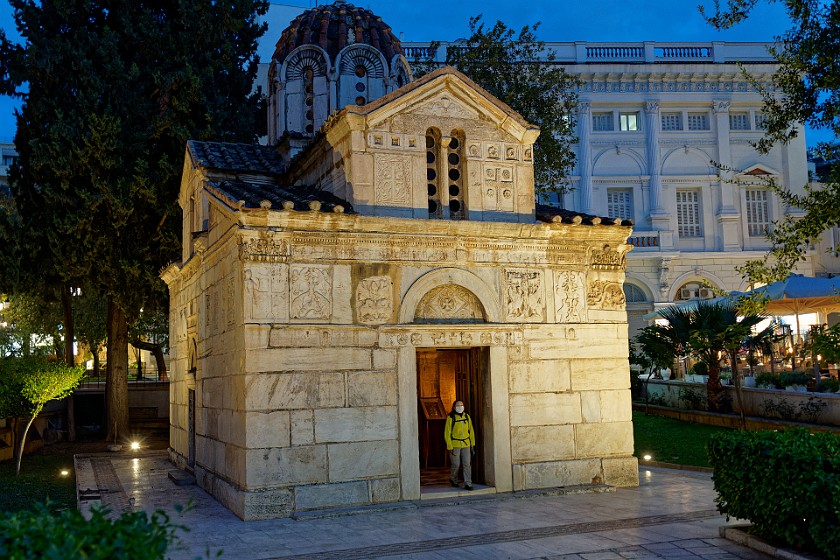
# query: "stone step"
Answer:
x=181 y=478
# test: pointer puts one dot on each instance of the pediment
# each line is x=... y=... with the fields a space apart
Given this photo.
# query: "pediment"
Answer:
x=444 y=105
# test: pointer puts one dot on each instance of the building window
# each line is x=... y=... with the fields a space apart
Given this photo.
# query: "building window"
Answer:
x=602 y=122
x=671 y=121
x=629 y=121
x=688 y=214
x=758 y=212
x=760 y=121
x=620 y=203
x=634 y=294
x=739 y=121
x=9 y=160
x=698 y=121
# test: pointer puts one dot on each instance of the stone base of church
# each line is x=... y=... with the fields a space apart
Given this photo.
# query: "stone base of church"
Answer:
x=620 y=472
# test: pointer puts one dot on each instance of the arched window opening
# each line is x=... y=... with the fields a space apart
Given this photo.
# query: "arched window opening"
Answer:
x=309 y=98
x=455 y=176
x=634 y=294
x=433 y=179
x=694 y=290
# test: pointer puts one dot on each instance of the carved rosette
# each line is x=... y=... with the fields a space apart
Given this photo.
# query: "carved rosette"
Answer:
x=523 y=295
x=570 y=297
x=608 y=258
x=310 y=292
x=263 y=250
x=374 y=300
x=603 y=294
x=449 y=303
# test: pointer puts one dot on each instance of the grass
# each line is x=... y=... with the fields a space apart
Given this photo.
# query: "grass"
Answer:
x=40 y=479
x=672 y=441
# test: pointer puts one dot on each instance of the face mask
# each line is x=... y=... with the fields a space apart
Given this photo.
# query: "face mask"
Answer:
x=459 y=409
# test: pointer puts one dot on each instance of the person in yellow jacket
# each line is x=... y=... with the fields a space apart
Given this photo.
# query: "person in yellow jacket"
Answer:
x=460 y=442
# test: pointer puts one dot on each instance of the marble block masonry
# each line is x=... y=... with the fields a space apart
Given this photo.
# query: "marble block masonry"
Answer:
x=310 y=282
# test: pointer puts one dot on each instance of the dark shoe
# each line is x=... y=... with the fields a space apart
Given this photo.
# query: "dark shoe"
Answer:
x=469 y=488
x=453 y=484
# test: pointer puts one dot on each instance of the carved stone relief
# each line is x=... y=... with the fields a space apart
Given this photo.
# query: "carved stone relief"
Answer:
x=498 y=189
x=608 y=258
x=310 y=292
x=393 y=181
x=524 y=298
x=604 y=294
x=266 y=293
x=444 y=106
x=374 y=300
x=451 y=339
x=449 y=303
x=570 y=297
x=264 y=250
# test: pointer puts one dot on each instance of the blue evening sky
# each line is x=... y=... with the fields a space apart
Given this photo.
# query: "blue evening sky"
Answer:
x=595 y=20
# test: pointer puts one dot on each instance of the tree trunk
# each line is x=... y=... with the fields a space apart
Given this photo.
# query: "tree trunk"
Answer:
x=736 y=377
x=714 y=390
x=23 y=440
x=96 y=364
x=157 y=351
x=69 y=355
x=116 y=374
x=15 y=435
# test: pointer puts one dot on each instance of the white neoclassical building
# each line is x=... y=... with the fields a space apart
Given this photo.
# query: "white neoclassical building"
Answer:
x=664 y=139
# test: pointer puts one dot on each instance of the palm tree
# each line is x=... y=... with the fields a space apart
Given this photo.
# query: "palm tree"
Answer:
x=712 y=330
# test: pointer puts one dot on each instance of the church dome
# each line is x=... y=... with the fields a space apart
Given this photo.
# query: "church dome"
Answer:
x=328 y=58
x=335 y=26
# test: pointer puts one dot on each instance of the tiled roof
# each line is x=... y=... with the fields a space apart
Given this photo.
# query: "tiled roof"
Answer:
x=286 y=197
x=552 y=214
x=250 y=158
x=334 y=26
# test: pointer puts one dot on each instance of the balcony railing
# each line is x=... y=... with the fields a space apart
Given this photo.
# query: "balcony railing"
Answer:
x=644 y=239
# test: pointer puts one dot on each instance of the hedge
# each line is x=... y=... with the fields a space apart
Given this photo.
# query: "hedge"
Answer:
x=786 y=483
x=43 y=535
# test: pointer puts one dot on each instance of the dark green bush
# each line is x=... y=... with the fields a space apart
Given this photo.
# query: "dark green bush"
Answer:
x=788 y=378
x=39 y=534
x=768 y=380
x=786 y=483
x=829 y=386
x=700 y=368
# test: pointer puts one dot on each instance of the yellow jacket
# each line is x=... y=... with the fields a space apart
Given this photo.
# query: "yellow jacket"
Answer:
x=458 y=431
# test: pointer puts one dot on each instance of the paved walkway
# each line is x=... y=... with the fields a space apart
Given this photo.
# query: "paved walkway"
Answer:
x=670 y=515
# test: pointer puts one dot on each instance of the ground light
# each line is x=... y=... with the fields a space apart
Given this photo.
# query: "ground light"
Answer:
x=135 y=445
x=647 y=457
x=65 y=472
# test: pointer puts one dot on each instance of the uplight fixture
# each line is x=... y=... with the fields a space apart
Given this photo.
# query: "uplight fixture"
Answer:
x=135 y=445
x=647 y=457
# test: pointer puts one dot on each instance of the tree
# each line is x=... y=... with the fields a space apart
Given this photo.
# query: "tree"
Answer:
x=809 y=80
x=520 y=71
x=28 y=316
x=115 y=89
x=30 y=383
x=711 y=331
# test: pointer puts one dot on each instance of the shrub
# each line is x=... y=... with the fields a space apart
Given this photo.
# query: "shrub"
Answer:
x=768 y=380
x=829 y=386
x=692 y=400
x=788 y=378
x=786 y=483
x=38 y=533
x=700 y=368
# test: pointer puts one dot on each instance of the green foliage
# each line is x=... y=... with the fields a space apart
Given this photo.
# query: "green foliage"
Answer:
x=691 y=399
x=700 y=368
x=829 y=386
x=28 y=315
x=767 y=380
x=39 y=534
x=786 y=483
x=788 y=378
x=38 y=380
x=823 y=341
x=809 y=78
x=518 y=70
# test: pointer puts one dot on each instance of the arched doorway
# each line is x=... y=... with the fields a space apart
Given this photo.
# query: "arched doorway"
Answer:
x=447 y=374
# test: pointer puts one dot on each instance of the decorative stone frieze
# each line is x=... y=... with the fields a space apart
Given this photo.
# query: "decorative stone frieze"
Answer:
x=449 y=303
x=570 y=297
x=392 y=186
x=604 y=294
x=608 y=258
x=263 y=250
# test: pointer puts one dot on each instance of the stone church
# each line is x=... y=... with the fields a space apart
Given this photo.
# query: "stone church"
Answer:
x=380 y=258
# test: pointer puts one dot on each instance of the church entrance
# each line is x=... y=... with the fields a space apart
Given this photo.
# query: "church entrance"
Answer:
x=444 y=376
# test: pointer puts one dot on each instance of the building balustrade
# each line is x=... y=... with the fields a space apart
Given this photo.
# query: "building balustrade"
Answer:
x=644 y=240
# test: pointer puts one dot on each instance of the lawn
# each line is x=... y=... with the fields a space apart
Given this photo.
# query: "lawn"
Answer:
x=40 y=479
x=672 y=441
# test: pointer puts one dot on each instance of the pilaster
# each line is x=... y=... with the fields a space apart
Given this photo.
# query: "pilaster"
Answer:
x=585 y=156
